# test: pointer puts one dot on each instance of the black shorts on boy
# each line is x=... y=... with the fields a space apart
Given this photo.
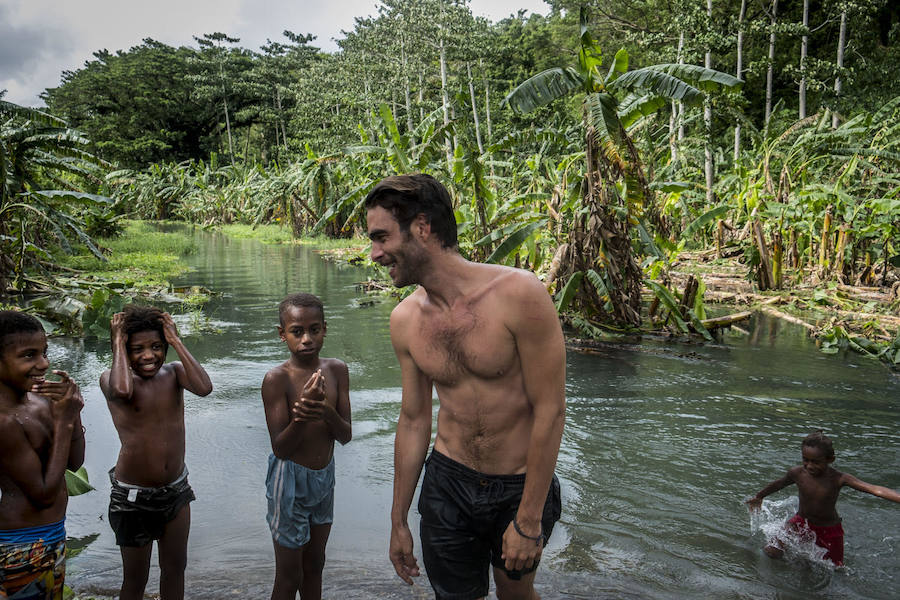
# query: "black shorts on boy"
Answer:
x=464 y=515
x=138 y=515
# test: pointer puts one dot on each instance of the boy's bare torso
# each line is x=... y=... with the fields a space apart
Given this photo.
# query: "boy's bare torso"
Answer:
x=151 y=429
x=32 y=418
x=318 y=442
x=470 y=354
x=818 y=495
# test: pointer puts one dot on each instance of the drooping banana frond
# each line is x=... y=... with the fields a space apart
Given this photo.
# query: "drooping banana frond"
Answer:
x=543 y=88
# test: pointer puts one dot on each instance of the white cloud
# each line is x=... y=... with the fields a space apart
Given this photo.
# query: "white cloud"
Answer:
x=39 y=39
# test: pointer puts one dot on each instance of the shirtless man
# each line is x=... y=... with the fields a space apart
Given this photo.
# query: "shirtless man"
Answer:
x=150 y=496
x=488 y=338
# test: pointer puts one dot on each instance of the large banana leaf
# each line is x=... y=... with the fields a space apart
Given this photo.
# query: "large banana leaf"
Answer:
x=77 y=482
x=635 y=106
x=704 y=220
x=515 y=240
x=568 y=291
x=543 y=88
x=657 y=83
x=708 y=80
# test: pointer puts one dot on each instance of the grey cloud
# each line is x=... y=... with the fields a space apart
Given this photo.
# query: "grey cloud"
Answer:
x=24 y=47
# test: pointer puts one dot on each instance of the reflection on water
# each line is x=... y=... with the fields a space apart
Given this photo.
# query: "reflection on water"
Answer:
x=663 y=444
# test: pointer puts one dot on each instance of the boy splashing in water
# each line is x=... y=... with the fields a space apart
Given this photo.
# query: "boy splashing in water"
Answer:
x=818 y=486
x=40 y=437
x=307 y=404
x=150 y=496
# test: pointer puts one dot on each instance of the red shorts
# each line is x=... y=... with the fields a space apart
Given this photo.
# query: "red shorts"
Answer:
x=831 y=538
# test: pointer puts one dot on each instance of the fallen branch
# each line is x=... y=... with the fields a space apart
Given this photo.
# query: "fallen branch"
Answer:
x=786 y=317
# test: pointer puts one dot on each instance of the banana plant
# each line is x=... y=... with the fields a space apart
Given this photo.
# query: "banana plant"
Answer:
x=38 y=149
x=616 y=196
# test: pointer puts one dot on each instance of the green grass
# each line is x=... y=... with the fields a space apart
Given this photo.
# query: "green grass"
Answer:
x=280 y=234
x=267 y=234
x=141 y=254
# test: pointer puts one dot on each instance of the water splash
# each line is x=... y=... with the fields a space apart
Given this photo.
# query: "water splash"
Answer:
x=797 y=544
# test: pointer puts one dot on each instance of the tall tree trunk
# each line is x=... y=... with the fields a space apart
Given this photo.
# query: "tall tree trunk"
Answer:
x=474 y=109
x=280 y=119
x=681 y=104
x=804 y=45
x=444 y=99
x=842 y=40
x=738 y=69
x=707 y=121
x=227 y=117
x=406 y=91
x=487 y=102
x=770 y=72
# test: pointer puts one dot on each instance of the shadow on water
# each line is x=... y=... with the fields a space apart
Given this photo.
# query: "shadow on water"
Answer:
x=663 y=443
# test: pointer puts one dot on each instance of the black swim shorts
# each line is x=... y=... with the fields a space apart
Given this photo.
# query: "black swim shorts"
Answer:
x=138 y=515
x=464 y=515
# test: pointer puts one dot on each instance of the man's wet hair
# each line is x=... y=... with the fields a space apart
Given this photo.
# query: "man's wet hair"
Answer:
x=817 y=439
x=139 y=317
x=300 y=300
x=13 y=323
x=407 y=196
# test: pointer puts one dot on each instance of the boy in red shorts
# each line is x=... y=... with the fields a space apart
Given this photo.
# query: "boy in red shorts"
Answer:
x=818 y=486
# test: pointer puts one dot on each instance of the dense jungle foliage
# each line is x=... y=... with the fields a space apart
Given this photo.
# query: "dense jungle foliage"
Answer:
x=596 y=145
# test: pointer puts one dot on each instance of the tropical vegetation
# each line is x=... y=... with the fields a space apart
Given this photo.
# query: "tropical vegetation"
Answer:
x=606 y=146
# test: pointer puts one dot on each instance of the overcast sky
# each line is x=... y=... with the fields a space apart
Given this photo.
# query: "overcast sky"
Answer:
x=39 y=39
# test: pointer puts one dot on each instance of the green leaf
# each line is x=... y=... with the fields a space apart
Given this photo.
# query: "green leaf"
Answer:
x=543 y=88
x=568 y=291
x=77 y=482
x=669 y=301
x=515 y=240
x=704 y=220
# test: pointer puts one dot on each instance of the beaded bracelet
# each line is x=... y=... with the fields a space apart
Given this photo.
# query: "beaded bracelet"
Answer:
x=537 y=538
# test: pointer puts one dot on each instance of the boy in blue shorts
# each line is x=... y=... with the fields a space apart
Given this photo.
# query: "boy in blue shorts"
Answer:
x=307 y=404
x=40 y=437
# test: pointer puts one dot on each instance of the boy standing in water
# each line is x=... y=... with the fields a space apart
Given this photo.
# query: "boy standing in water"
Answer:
x=150 y=496
x=40 y=437
x=818 y=485
x=307 y=404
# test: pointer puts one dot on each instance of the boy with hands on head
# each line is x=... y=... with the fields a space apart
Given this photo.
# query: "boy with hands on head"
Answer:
x=150 y=496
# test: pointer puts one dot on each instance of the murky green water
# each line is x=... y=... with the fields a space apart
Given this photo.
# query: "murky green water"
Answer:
x=663 y=442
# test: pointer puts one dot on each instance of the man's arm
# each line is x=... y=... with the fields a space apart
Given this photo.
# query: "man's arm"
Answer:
x=191 y=376
x=756 y=501
x=542 y=354
x=875 y=490
x=410 y=444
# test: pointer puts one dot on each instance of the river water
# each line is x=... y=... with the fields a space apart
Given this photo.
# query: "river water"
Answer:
x=663 y=443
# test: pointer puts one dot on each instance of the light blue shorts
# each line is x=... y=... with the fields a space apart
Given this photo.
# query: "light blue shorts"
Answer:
x=298 y=498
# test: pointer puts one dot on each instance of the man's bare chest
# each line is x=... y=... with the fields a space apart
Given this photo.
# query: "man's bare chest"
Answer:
x=452 y=348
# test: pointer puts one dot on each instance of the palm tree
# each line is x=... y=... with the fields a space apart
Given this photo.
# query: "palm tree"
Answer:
x=600 y=260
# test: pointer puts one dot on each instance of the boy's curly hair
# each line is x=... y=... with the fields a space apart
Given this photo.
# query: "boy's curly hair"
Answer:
x=300 y=300
x=817 y=439
x=143 y=318
x=14 y=322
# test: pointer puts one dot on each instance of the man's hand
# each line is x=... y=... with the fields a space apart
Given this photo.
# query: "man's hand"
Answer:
x=519 y=552
x=754 y=503
x=169 y=330
x=401 y=552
